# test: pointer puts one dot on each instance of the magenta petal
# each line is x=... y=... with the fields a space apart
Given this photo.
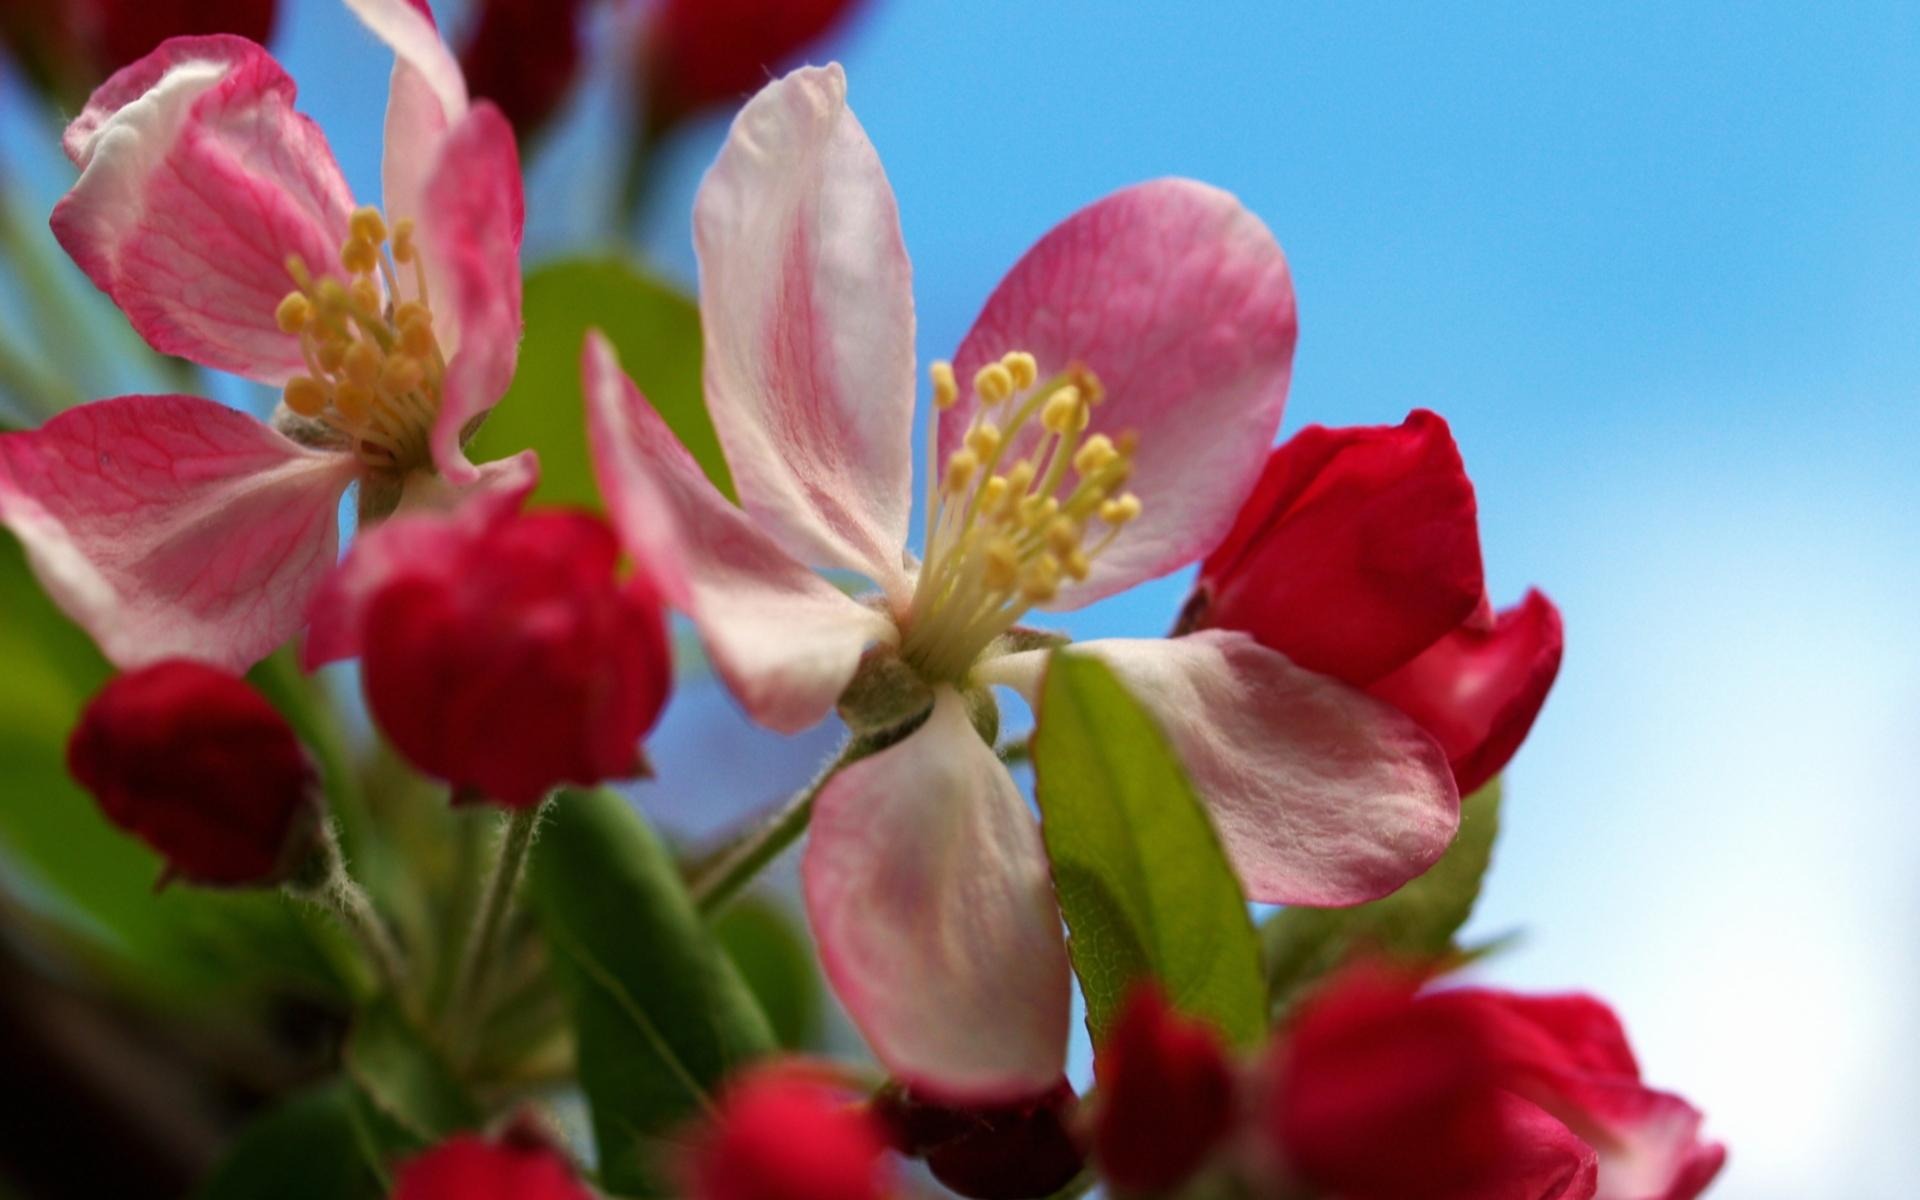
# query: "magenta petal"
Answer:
x=927 y=886
x=807 y=302
x=785 y=640
x=169 y=526
x=197 y=181
x=336 y=619
x=473 y=242
x=426 y=96
x=1180 y=301
x=1321 y=794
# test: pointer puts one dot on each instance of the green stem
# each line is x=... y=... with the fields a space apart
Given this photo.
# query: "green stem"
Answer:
x=495 y=903
x=335 y=890
x=738 y=866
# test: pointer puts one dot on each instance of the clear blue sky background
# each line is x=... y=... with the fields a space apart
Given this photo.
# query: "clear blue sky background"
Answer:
x=1661 y=270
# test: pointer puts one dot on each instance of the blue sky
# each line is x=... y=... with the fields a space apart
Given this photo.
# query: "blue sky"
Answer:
x=1660 y=267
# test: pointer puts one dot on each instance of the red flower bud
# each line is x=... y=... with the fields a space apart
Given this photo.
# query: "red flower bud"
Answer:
x=500 y=650
x=1000 y=1152
x=520 y=1165
x=1166 y=1096
x=703 y=52
x=1358 y=556
x=524 y=56
x=199 y=766
x=781 y=1135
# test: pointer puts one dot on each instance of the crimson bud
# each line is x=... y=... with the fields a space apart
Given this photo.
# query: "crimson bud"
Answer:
x=520 y=1165
x=698 y=53
x=1012 y=1151
x=1166 y=1095
x=783 y=1135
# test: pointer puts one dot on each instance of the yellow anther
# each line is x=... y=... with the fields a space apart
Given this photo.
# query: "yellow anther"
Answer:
x=365 y=294
x=983 y=440
x=297 y=271
x=946 y=389
x=332 y=295
x=993 y=493
x=401 y=374
x=332 y=354
x=403 y=240
x=1094 y=455
x=960 y=469
x=1040 y=581
x=1119 y=511
x=1062 y=411
x=294 y=313
x=1021 y=366
x=367 y=224
x=1076 y=564
x=363 y=364
x=416 y=332
x=1089 y=385
x=359 y=256
x=1063 y=535
x=1000 y=564
x=305 y=396
x=993 y=383
x=1038 y=512
x=354 y=402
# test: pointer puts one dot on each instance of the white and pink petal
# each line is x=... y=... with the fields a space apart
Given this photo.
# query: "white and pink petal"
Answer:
x=1321 y=794
x=807 y=305
x=197 y=181
x=1180 y=301
x=785 y=641
x=927 y=887
x=170 y=526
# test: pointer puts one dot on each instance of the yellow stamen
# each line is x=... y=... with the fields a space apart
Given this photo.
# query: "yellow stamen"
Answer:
x=1119 y=511
x=1095 y=454
x=983 y=440
x=363 y=364
x=993 y=383
x=1062 y=412
x=946 y=389
x=368 y=225
x=960 y=468
x=359 y=256
x=293 y=314
x=1022 y=367
x=307 y=397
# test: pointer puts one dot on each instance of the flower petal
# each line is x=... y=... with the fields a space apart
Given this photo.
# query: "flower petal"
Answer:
x=427 y=95
x=472 y=242
x=1358 y=549
x=807 y=302
x=785 y=640
x=1321 y=794
x=197 y=181
x=1478 y=690
x=927 y=886
x=1180 y=301
x=336 y=617
x=169 y=526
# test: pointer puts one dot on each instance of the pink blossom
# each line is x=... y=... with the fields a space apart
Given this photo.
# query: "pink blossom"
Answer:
x=215 y=216
x=1127 y=379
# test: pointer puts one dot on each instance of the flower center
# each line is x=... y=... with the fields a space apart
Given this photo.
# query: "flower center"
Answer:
x=1027 y=501
x=374 y=367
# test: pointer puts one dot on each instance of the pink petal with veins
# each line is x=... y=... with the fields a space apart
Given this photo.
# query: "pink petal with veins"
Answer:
x=170 y=526
x=1180 y=301
x=927 y=887
x=785 y=641
x=197 y=181
x=807 y=301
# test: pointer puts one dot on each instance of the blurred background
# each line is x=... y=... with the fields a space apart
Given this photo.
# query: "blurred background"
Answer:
x=1658 y=265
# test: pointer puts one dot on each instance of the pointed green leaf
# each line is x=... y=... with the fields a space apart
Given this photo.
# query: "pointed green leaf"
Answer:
x=401 y=1072
x=1145 y=886
x=656 y=328
x=1417 y=922
x=319 y=1145
x=660 y=1012
x=773 y=955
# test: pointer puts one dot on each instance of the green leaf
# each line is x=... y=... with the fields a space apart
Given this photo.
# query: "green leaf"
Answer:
x=1145 y=886
x=94 y=883
x=321 y=1145
x=1415 y=923
x=656 y=329
x=776 y=960
x=660 y=1013
x=404 y=1075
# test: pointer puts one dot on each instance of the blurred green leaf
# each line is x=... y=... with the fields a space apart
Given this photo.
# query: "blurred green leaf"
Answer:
x=775 y=958
x=404 y=1075
x=1141 y=877
x=63 y=860
x=660 y=1013
x=1415 y=923
x=655 y=327
x=321 y=1145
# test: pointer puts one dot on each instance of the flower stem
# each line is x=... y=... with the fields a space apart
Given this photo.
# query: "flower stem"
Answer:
x=340 y=894
x=724 y=878
x=495 y=903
